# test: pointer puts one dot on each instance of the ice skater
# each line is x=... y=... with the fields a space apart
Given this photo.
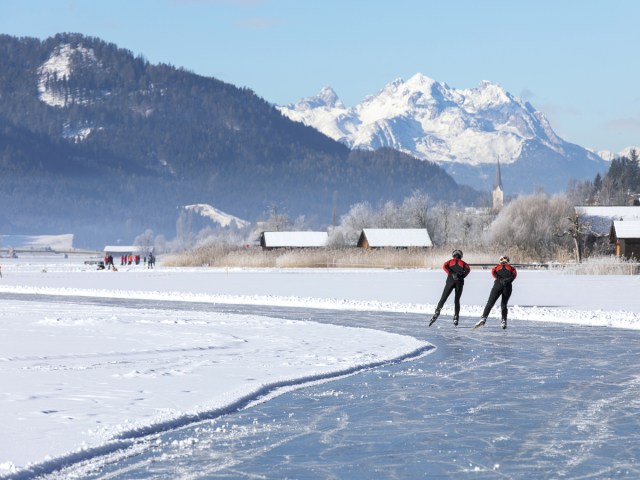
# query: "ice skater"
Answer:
x=456 y=270
x=504 y=275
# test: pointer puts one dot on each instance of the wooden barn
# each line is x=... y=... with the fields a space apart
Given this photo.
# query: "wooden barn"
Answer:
x=271 y=240
x=394 y=238
x=626 y=237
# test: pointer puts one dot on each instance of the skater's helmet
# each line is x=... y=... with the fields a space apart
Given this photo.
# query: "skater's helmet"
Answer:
x=504 y=259
x=457 y=254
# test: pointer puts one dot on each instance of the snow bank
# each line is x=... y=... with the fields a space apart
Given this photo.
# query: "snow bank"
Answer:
x=80 y=380
x=600 y=317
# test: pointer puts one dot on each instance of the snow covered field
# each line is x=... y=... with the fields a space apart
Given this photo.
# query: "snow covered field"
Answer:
x=79 y=377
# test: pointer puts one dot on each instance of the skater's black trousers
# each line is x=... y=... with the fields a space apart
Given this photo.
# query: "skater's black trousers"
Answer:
x=498 y=290
x=452 y=284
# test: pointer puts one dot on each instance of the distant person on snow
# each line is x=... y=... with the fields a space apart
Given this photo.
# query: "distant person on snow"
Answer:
x=504 y=275
x=456 y=271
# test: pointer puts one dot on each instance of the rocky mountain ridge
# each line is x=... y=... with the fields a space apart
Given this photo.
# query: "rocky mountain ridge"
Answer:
x=466 y=131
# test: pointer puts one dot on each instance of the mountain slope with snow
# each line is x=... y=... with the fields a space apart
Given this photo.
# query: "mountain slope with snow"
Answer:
x=466 y=131
x=217 y=216
x=625 y=152
x=106 y=145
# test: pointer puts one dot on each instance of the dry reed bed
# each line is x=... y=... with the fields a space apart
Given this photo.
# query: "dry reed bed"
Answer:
x=255 y=257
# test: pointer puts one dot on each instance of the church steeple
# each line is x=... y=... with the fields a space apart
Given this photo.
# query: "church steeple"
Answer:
x=498 y=193
x=498 y=176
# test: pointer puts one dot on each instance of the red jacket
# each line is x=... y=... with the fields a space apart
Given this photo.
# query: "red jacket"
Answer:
x=457 y=266
x=504 y=272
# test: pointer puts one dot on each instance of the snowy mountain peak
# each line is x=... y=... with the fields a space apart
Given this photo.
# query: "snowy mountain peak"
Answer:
x=465 y=130
x=330 y=98
x=609 y=156
x=417 y=86
x=421 y=79
x=431 y=121
x=488 y=95
x=327 y=98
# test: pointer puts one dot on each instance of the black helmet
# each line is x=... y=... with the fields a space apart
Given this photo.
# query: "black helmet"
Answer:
x=457 y=253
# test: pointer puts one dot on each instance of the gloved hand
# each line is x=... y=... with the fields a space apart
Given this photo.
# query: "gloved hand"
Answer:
x=505 y=282
x=455 y=276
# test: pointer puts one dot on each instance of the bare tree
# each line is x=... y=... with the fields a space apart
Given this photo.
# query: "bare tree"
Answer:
x=145 y=241
x=579 y=229
x=576 y=230
x=389 y=216
x=184 y=230
x=531 y=224
x=416 y=210
x=360 y=216
x=277 y=221
x=440 y=224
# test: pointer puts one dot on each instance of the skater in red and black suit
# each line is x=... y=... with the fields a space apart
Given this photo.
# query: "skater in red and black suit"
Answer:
x=456 y=271
x=504 y=275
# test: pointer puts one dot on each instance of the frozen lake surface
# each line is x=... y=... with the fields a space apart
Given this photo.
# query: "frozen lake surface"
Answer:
x=540 y=400
x=210 y=373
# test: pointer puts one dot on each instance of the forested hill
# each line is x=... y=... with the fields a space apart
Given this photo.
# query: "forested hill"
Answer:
x=100 y=143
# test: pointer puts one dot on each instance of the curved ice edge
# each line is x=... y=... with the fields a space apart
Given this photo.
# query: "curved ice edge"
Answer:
x=130 y=437
x=605 y=318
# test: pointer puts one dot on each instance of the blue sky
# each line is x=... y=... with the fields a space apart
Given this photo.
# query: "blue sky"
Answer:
x=577 y=61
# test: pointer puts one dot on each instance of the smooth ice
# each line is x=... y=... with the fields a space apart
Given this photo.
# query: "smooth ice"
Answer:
x=539 y=400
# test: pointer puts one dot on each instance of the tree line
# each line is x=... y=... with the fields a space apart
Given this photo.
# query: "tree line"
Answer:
x=620 y=185
x=530 y=228
x=536 y=227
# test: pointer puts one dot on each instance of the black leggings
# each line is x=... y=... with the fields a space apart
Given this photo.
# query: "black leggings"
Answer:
x=497 y=290
x=448 y=288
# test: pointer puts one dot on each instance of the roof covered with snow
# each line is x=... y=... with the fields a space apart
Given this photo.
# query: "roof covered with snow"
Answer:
x=396 y=237
x=618 y=212
x=626 y=229
x=293 y=239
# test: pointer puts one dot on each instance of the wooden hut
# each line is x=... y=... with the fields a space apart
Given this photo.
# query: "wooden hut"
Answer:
x=394 y=238
x=271 y=240
x=626 y=237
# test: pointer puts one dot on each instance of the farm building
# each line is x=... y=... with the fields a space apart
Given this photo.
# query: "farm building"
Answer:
x=394 y=238
x=269 y=240
x=626 y=237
